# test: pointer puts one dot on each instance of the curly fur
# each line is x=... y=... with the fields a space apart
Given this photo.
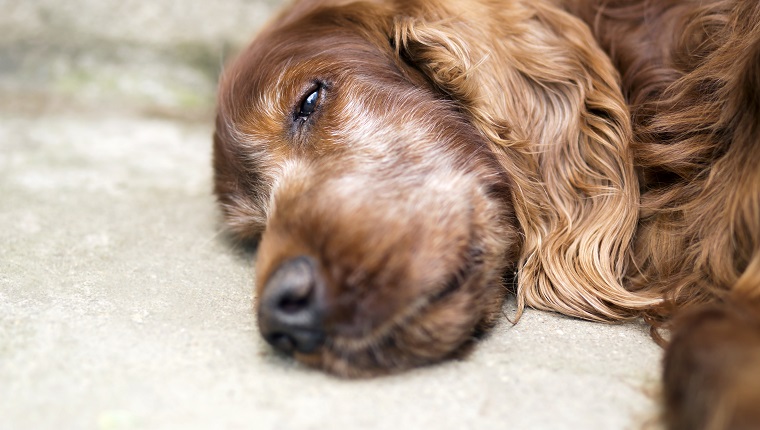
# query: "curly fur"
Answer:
x=695 y=102
x=604 y=152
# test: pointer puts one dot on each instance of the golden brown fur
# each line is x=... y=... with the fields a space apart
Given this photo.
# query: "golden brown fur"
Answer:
x=695 y=102
x=604 y=154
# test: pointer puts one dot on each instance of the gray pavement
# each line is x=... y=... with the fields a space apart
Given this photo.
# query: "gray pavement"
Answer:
x=123 y=307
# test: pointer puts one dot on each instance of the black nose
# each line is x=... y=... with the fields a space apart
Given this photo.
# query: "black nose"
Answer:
x=292 y=307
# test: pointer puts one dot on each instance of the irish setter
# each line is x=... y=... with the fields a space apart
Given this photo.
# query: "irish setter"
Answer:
x=406 y=164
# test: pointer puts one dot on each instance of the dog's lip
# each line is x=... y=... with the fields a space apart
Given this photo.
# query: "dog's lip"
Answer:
x=342 y=344
x=341 y=355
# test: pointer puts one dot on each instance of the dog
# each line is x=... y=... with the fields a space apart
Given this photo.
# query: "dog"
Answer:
x=404 y=165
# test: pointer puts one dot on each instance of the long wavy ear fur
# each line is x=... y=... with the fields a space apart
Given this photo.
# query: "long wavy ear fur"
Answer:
x=536 y=84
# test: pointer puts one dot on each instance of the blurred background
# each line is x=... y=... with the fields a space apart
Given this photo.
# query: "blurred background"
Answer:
x=159 y=57
x=122 y=306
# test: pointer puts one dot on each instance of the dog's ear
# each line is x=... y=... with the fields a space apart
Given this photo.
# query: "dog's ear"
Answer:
x=537 y=85
x=238 y=188
x=439 y=53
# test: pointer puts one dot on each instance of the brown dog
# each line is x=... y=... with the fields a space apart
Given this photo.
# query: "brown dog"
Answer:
x=399 y=159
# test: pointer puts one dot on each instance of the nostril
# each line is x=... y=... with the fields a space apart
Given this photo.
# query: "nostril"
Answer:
x=292 y=287
x=305 y=341
x=292 y=305
x=281 y=341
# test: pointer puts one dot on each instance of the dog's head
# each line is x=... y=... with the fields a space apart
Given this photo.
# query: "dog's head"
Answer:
x=385 y=220
x=396 y=158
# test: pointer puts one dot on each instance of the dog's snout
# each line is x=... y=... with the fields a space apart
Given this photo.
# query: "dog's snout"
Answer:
x=292 y=307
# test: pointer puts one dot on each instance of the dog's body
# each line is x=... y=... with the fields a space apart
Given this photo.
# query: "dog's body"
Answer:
x=401 y=157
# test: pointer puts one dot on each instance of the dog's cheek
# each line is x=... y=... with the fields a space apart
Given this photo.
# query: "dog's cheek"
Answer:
x=439 y=332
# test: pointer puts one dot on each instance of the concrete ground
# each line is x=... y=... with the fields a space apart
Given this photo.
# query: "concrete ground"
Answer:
x=121 y=305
